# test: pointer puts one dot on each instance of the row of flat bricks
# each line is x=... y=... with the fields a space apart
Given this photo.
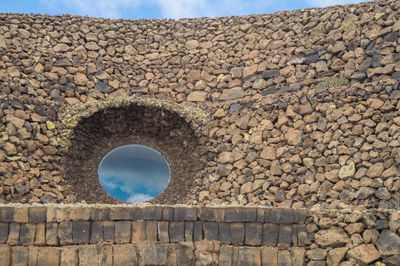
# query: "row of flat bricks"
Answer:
x=198 y=253
x=121 y=232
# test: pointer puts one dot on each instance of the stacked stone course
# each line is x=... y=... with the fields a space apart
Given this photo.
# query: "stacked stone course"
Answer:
x=160 y=235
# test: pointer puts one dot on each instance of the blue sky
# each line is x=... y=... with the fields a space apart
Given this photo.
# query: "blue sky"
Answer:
x=175 y=9
x=134 y=173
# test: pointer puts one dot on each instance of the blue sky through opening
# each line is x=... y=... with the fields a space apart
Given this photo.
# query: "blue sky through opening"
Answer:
x=134 y=173
x=174 y=9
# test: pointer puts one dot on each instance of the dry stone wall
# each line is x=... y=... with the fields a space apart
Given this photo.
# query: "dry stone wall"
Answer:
x=301 y=106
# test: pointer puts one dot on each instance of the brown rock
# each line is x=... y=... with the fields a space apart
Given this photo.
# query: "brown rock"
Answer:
x=268 y=153
x=197 y=96
x=376 y=103
x=61 y=47
x=230 y=94
x=335 y=256
x=250 y=70
x=375 y=170
x=293 y=136
x=80 y=79
x=333 y=237
x=364 y=254
x=192 y=44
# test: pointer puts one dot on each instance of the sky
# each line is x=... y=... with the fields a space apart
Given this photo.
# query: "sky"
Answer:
x=134 y=173
x=170 y=9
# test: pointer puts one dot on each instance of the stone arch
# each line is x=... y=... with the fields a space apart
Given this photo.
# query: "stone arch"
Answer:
x=91 y=130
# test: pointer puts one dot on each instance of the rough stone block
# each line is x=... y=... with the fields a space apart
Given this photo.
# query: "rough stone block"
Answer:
x=285 y=235
x=208 y=214
x=52 y=234
x=13 y=234
x=99 y=214
x=210 y=230
x=108 y=231
x=151 y=231
x=269 y=256
x=33 y=252
x=5 y=255
x=185 y=253
x=198 y=231
x=176 y=231
x=49 y=256
x=185 y=214
x=253 y=236
x=106 y=255
x=40 y=234
x=3 y=232
x=300 y=215
x=153 y=254
x=27 y=234
x=7 y=214
x=249 y=257
x=284 y=258
x=81 y=232
x=225 y=256
x=96 y=232
x=279 y=216
x=125 y=255
x=162 y=229
x=122 y=232
x=121 y=213
x=260 y=215
x=136 y=213
x=302 y=237
x=298 y=256
x=69 y=256
x=19 y=256
x=167 y=213
x=237 y=233
x=65 y=232
x=233 y=215
x=294 y=235
x=189 y=231
x=225 y=233
x=37 y=214
x=152 y=213
x=88 y=255
x=21 y=214
x=138 y=231
x=270 y=234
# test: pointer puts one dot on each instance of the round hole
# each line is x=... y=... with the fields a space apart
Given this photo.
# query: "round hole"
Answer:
x=134 y=173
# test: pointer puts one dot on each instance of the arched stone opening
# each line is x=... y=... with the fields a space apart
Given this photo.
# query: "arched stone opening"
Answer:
x=171 y=129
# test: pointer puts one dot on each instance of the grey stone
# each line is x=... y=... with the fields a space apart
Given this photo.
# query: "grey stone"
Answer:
x=270 y=234
x=176 y=231
x=81 y=231
x=254 y=233
x=388 y=243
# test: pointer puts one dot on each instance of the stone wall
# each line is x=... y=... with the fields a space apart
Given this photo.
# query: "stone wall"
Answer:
x=161 y=235
x=297 y=110
x=300 y=107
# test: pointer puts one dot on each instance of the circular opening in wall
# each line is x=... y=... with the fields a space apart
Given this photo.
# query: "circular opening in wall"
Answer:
x=134 y=173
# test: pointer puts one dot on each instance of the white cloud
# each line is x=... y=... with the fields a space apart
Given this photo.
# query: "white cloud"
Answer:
x=139 y=198
x=324 y=3
x=95 y=8
x=168 y=8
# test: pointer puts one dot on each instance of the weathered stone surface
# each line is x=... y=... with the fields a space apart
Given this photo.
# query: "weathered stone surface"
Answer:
x=230 y=94
x=125 y=255
x=364 y=254
x=333 y=237
x=388 y=243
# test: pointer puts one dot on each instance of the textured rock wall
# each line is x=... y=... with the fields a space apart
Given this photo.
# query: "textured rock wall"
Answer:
x=302 y=106
x=165 y=235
